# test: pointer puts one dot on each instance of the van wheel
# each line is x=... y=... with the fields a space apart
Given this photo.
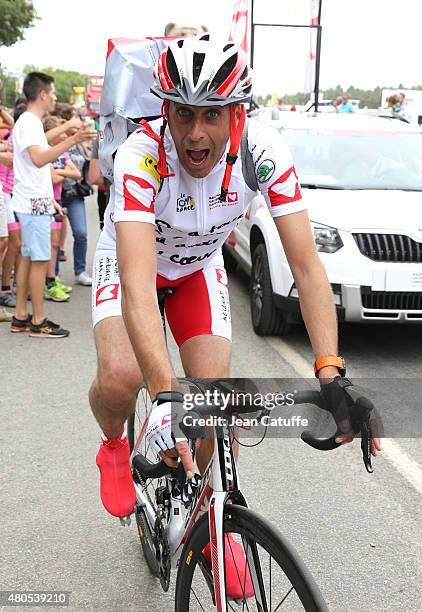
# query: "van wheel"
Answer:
x=267 y=319
x=230 y=262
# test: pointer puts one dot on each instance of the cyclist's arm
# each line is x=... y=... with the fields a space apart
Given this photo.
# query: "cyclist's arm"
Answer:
x=279 y=184
x=137 y=255
x=315 y=295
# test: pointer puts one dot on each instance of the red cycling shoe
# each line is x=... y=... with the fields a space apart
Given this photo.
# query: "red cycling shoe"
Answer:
x=116 y=484
x=238 y=578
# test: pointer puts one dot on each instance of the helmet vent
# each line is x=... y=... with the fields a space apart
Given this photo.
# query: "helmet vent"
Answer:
x=198 y=62
x=223 y=73
x=228 y=46
x=205 y=37
x=172 y=68
x=244 y=74
x=180 y=43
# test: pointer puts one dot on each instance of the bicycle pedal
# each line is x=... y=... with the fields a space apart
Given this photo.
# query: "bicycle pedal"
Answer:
x=126 y=520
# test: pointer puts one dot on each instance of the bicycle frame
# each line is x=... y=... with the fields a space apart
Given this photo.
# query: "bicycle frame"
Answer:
x=219 y=484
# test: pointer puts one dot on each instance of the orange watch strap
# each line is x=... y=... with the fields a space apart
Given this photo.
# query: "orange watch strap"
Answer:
x=330 y=360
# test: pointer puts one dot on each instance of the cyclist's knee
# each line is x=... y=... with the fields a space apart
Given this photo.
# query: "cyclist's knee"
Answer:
x=118 y=384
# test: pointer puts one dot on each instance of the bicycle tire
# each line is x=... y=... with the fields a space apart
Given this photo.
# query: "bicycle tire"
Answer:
x=243 y=521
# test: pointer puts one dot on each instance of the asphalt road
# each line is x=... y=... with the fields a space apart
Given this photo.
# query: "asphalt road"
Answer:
x=360 y=535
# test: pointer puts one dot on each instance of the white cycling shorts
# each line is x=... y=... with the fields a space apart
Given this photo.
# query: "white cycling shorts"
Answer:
x=198 y=305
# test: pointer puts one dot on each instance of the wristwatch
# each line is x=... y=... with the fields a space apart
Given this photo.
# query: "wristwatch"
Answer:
x=330 y=360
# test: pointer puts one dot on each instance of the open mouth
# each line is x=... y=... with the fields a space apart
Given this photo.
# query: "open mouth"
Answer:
x=197 y=157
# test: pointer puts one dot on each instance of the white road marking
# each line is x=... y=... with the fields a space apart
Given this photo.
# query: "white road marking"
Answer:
x=391 y=451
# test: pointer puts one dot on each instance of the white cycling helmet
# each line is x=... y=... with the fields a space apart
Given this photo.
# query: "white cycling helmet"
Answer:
x=200 y=72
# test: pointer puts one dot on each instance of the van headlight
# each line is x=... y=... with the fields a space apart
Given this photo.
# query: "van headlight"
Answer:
x=327 y=239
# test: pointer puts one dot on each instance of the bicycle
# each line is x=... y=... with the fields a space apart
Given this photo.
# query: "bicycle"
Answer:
x=177 y=519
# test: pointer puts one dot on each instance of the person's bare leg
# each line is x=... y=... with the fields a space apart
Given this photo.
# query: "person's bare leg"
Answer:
x=12 y=257
x=4 y=241
x=37 y=273
x=22 y=286
x=55 y=241
x=63 y=233
x=115 y=388
x=206 y=357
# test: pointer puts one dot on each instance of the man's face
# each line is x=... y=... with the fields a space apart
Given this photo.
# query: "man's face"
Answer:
x=200 y=134
x=49 y=98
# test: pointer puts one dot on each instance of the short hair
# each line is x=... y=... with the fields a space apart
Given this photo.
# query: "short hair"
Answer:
x=19 y=110
x=64 y=110
x=34 y=83
x=51 y=121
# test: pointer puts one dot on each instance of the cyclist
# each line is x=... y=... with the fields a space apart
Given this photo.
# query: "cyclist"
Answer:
x=178 y=193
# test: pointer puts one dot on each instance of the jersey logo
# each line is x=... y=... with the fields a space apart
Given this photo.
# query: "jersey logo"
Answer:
x=221 y=276
x=232 y=198
x=265 y=170
x=150 y=165
x=107 y=293
x=138 y=194
x=185 y=202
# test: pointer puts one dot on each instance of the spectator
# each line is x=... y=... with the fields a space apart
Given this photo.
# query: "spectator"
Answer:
x=94 y=177
x=68 y=113
x=392 y=103
x=12 y=256
x=65 y=111
x=73 y=199
x=346 y=105
x=34 y=203
x=336 y=103
x=62 y=167
x=6 y=123
x=4 y=314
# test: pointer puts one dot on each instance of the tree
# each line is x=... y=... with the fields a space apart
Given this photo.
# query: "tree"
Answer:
x=64 y=80
x=15 y=17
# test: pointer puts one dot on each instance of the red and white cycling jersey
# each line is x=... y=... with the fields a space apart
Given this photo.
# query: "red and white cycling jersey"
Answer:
x=191 y=222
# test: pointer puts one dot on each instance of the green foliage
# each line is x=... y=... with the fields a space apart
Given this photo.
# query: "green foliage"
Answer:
x=15 y=17
x=64 y=80
x=7 y=88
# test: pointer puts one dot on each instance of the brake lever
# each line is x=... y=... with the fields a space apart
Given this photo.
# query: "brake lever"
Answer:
x=360 y=423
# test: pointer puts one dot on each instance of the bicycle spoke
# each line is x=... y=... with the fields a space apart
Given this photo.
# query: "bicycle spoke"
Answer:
x=271 y=584
x=202 y=608
x=238 y=577
x=283 y=600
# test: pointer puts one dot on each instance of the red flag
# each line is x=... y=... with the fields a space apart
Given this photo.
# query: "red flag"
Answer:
x=239 y=32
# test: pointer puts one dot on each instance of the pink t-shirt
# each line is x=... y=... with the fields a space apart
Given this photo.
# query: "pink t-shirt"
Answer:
x=6 y=174
x=60 y=164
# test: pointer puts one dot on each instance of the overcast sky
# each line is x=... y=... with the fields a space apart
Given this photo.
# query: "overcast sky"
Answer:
x=364 y=42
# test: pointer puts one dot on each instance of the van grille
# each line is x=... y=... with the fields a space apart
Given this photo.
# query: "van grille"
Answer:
x=389 y=247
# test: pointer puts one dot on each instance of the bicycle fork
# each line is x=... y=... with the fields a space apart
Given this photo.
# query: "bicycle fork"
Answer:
x=226 y=489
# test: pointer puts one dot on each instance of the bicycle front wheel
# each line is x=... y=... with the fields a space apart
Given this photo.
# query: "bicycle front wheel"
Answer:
x=284 y=582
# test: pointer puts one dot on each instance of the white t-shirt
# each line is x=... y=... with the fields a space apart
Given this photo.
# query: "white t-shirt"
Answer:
x=33 y=188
